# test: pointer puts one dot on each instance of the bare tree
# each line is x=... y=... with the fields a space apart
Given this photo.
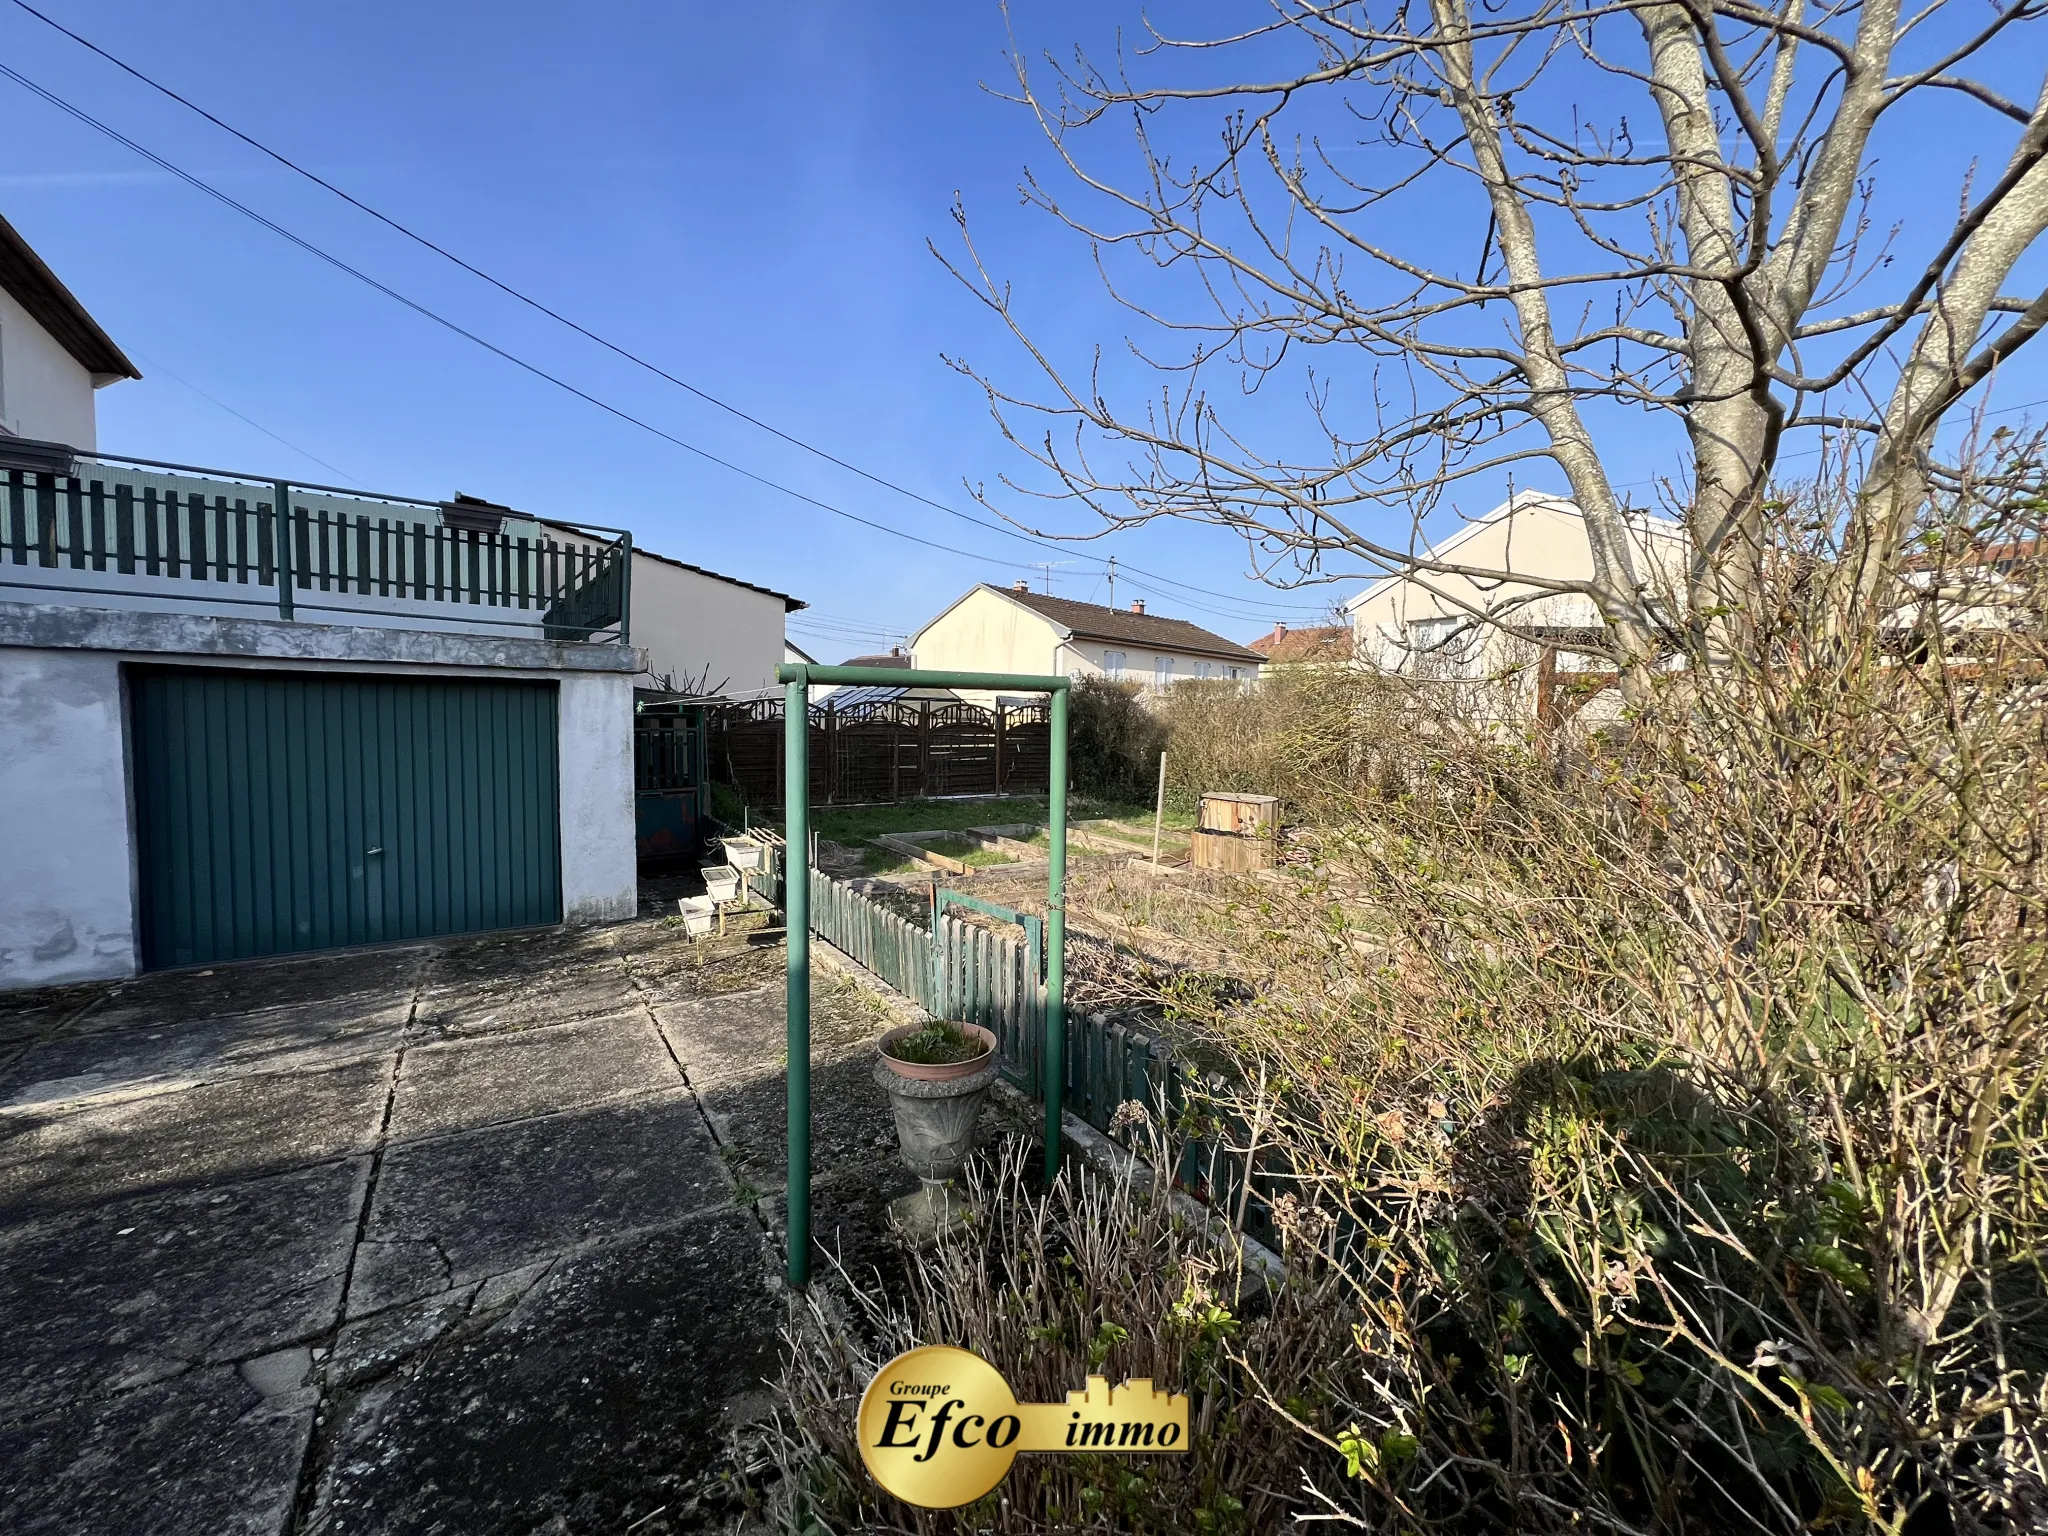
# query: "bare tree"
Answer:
x=1670 y=210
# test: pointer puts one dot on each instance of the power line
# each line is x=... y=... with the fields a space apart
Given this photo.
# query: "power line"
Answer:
x=553 y=314
x=156 y=367
x=442 y=320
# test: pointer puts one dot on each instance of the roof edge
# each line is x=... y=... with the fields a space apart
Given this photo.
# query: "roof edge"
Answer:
x=54 y=307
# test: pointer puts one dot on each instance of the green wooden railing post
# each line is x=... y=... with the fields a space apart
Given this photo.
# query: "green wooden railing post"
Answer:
x=796 y=906
x=1054 y=1086
x=282 y=491
x=625 y=589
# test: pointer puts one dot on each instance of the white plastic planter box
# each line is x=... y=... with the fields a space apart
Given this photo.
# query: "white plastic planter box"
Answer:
x=697 y=913
x=721 y=883
x=743 y=853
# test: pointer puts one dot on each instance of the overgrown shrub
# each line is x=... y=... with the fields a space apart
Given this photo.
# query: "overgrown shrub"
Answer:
x=1680 y=1097
x=1103 y=1275
x=1114 y=741
x=1310 y=735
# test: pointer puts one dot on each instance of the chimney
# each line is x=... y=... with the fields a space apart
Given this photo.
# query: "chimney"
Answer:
x=1020 y=586
x=1279 y=629
x=1137 y=605
x=895 y=650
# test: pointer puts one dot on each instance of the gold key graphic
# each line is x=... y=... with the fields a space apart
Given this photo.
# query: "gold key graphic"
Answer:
x=939 y=1426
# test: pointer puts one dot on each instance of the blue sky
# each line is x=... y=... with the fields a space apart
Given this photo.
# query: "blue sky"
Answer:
x=742 y=194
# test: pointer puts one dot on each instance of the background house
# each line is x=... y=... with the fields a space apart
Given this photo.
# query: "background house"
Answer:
x=1324 y=645
x=1434 y=626
x=418 y=721
x=1013 y=629
x=53 y=355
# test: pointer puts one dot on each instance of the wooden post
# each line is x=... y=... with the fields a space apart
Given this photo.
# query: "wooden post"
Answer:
x=1159 y=811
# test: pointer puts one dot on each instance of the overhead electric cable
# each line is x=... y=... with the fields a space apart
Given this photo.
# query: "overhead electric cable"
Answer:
x=468 y=335
x=553 y=314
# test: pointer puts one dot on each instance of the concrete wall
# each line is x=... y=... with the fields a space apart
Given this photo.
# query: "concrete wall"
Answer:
x=44 y=392
x=67 y=855
x=67 y=899
x=600 y=875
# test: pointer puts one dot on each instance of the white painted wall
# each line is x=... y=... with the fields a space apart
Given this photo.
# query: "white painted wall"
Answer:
x=705 y=634
x=986 y=632
x=1396 y=621
x=44 y=391
x=600 y=878
x=67 y=900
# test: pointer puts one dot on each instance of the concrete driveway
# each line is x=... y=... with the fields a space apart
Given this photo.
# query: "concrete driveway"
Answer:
x=470 y=1237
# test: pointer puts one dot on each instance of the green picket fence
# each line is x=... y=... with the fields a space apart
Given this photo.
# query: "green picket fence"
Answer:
x=965 y=971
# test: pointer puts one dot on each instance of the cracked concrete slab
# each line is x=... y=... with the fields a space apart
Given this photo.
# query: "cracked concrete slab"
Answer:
x=741 y=1035
x=526 y=999
x=553 y=1305
x=229 y=990
x=170 y=1053
x=465 y=1084
x=450 y=1211
x=851 y=1122
x=57 y=1157
x=26 y=1016
x=200 y=1455
x=141 y=1289
x=599 y=1365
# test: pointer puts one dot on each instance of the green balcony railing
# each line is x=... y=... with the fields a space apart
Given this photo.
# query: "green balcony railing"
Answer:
x=186 y=536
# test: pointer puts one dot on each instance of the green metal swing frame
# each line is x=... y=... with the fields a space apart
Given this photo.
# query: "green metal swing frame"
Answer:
x=797 y=680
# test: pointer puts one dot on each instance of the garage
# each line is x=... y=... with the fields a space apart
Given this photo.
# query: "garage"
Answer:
x=282 y=811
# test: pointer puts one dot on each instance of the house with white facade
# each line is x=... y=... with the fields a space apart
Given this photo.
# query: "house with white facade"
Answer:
x=1449 y=627
x=1013 y=629
x=241 y=717
x=53 y=354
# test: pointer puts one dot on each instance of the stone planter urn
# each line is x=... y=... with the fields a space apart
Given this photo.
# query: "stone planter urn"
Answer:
x=936 y=1108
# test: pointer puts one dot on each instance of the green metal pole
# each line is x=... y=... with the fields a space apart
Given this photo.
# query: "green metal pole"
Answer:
x=1055 y=1054
x=796 y=906
x=283 y=511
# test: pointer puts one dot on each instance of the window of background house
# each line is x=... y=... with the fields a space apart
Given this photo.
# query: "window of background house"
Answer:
x=1236 y=674
x=1162 y=673
x=1113 y=665
x=1201 y=669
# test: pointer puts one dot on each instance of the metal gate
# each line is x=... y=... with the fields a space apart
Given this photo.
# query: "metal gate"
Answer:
x=280 y=811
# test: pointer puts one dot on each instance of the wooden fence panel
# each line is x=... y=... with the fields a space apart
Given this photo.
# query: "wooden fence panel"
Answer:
x=886 y=751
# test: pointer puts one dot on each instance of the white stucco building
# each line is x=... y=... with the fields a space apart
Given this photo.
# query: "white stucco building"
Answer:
x=1013 y=629
x=1434 y=625
x=239 y=718
x=53 y=354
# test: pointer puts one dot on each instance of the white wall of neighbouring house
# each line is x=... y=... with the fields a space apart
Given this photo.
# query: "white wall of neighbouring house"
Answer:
x=986 y=632
x=44 y=392
x=600 y=875
x=702 y=634
x=67 y=897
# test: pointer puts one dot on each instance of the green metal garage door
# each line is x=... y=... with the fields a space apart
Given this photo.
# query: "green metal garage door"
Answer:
x=281 y=811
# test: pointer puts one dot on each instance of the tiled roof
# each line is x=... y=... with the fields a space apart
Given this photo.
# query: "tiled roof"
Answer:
x=1154 y=631
x=1328 y=642
x=893 y=659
